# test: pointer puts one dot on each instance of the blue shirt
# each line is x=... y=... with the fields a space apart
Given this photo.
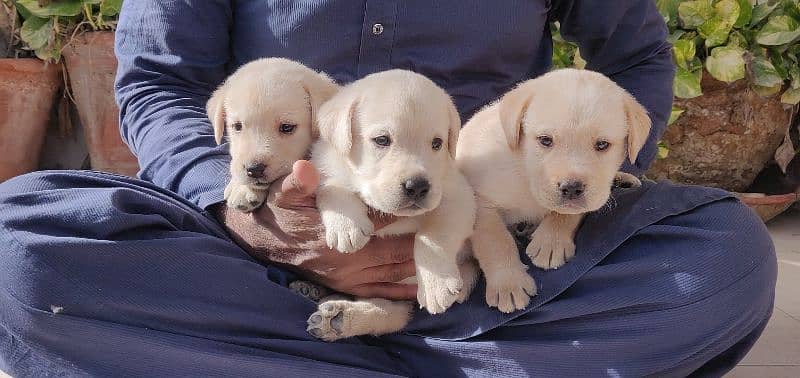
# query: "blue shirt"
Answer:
x=173 y=54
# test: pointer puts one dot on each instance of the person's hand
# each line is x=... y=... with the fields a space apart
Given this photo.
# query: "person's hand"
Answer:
x=287 y=230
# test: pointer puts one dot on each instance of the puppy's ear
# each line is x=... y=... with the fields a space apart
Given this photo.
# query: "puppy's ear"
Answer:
x=638 y=126
x=319 y=89
x=335 y=121
x=455 y=128
x=512 y=110
x=215 y=108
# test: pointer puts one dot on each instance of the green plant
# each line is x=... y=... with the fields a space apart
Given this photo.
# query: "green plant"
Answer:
x=755 y=40
x=49 y=25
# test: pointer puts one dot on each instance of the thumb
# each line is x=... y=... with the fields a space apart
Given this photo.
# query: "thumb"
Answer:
x=297 y=189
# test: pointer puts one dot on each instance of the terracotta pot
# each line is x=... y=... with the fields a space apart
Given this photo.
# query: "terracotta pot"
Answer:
x=92 y=66
x=724 y=138
x=28 y=89
x=768 y=206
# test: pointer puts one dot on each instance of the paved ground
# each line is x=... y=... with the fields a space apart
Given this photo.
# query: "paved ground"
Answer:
x=777 y=354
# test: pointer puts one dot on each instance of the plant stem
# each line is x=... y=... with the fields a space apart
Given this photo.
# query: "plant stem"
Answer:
x=87 y=10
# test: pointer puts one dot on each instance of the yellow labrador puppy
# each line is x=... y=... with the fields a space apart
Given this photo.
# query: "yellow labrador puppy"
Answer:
x=387 y=144
x=268 y=107
x=546 y=153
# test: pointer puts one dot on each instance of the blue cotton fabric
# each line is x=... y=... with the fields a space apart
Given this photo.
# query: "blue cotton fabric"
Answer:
x=104 y=275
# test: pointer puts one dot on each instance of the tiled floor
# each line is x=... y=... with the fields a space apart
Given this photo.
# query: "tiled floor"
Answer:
x=777 y=353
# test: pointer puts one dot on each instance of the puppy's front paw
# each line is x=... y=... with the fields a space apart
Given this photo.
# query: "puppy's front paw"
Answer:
x=345 y=234
x=510 y=289
x=626 y=181
x=437 y=291
x=328 y=322
x=550 y=249
x=243 y=198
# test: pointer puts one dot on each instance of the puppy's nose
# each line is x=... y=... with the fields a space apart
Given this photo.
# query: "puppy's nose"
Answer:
x=416 y=188
x=572 y=189
x=255 y=170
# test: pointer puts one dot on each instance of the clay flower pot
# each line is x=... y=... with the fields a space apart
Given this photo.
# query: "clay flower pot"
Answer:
x=724 y=138
x=768 y=206
x=92 y=66
x=28 y=89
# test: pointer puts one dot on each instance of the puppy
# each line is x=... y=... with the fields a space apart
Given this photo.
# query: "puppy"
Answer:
x=268 y=107
x=546 y=153
x=387 y=144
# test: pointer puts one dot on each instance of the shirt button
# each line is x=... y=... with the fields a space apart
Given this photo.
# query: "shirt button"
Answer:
x=377 y=29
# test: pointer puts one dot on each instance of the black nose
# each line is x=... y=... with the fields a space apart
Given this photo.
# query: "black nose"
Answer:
x=255 y=170
x=571 y=190
x=416 y=188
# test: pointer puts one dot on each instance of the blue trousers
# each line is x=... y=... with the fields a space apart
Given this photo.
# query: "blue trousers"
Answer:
x=103 y=275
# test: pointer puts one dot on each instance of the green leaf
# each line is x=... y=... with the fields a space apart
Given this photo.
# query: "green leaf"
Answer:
x=762 y=11
x=745 y=13
x=791 y=8
x=694 y=13
x=726 y=63
x=764 y=73
x=668 y=10
x=674 y=115
x=684 y=52
x=663 y=150
x=687 y=83
x=767 y=91
x=109 y=8
x=738 y=39
x=791 y=96
x=675 y=36
x=55 y=8
x=36 y=32
x=778 y=30
x=778 y=62
x=715 y=31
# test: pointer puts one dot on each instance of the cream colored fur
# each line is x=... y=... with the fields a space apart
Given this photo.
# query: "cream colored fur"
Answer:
x=261 y=96
x=359 y=175
x=516 y=178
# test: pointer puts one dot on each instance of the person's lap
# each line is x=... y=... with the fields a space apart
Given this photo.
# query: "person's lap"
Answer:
x=103 y=274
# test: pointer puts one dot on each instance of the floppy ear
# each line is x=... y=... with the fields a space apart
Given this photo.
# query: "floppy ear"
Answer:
x=319 y=89
x=215 y=108
x=513 y=106
x=335 y=121
x=455 y=128
x=638 y=126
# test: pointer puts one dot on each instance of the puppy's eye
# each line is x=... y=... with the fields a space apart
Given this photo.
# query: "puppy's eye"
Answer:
x=436 y=144
x=546 y=141
x=287 y=128
x=383 y=141
x=601 y=145
x=237 y=126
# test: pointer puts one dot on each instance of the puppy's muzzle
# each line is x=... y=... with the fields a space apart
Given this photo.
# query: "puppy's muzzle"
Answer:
x=572 y=190
x=256 y=170
x=416 y=189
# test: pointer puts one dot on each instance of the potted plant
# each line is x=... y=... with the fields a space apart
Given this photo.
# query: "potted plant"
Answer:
x=28 y=90
x=81 y=32
x=736 y=90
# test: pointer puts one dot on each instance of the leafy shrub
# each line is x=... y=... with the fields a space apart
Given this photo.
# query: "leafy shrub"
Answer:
x=48 y=25
x=755 y=40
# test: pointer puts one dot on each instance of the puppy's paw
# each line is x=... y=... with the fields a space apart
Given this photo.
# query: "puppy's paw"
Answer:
x=550 y=249
x=437 y=291
x=328 y=322
x=243 y=198
x=626 y=181
x=308 y=290
x=510 y=289
x=469 y=275
x=345 y=234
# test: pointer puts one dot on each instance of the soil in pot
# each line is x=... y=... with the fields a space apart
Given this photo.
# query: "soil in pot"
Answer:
x=724 y=138
x=28 y=89
x=92 y=67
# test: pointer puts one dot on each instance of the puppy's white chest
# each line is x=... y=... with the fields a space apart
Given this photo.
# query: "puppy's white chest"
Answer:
x=528 y=211
x=402 y=226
